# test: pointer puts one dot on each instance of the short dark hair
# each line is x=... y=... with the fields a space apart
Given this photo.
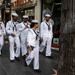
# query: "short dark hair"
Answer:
x=13 y=16
x=32 y=25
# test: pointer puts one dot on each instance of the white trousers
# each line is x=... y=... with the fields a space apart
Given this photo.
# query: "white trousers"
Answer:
x=23 y=45
x=1 y=42
x=46 y=43
x=34 y=54
x=13 y=53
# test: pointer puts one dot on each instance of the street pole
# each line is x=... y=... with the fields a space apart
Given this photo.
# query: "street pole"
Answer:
x=10 y=9
x=4 y=12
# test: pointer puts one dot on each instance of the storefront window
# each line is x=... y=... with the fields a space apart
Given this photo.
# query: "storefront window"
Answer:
x=47 y=7
x=30 y=13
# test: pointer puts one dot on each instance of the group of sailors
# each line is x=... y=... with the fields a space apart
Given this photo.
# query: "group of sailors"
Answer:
x=30 y=38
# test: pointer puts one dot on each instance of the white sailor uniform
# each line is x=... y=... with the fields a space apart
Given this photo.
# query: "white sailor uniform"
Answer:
x=12 y=28
x=47 y=34
x=33 y=40
x=2 y=33
x=23 y=35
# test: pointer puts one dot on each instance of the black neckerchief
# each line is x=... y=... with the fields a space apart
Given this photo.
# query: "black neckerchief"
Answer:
x=49 y=28
x=36 y=34
x=14 y=28
x=24 y=23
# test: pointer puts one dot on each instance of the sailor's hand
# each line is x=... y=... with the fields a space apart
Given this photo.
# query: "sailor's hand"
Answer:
x=30 y=48
x=13 y=35
x=41 y=39
x=26 y=26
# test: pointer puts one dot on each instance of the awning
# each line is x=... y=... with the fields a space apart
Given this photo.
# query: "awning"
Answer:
x=29 y=5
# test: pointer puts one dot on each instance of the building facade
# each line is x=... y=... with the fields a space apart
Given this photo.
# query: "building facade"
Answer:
x=1 y=9
x=32 y=8
x=5 y=10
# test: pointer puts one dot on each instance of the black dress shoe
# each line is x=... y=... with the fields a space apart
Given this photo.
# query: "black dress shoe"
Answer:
x=25 y=64
x=23 y=57
x=12 y=61
x=49 y=57
x=17 y=58
x=40 y=53
x=38 y=70
x=0 y=55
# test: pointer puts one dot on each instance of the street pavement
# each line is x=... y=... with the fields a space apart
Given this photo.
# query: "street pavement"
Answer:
x=17 y=68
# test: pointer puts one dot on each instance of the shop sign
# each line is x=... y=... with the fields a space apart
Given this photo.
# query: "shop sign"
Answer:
x=20 y=2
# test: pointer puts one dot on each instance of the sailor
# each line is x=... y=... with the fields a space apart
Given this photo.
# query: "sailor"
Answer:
x=2 y=33
x=33 y=46
x=46 y=34
x=23 y=28
x=13 y=32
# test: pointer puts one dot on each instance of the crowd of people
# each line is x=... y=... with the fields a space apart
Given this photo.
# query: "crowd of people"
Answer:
x=30 y=38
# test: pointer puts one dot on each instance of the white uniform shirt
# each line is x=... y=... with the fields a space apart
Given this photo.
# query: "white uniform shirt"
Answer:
x=12 y=27
x=44 y=32
x=22 y=29
x=2 y=28
x=32 y=38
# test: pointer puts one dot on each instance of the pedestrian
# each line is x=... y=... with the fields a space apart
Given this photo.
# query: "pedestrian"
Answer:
x=23 y=28
x=33 y=46
x=13 y=35
x=2 y=33
x=46 y=34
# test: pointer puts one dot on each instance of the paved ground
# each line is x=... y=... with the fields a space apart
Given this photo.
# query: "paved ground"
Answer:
x=18 y=68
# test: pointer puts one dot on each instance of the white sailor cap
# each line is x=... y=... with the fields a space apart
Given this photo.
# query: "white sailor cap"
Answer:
x=15 y=14
x=35 y=21
x=25 y=16
x=47 y=15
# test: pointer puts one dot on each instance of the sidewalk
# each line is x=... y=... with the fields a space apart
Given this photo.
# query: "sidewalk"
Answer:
x=17 y=68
